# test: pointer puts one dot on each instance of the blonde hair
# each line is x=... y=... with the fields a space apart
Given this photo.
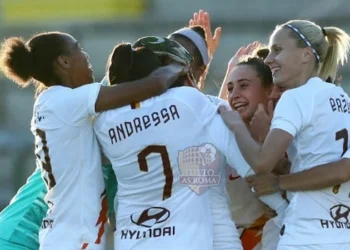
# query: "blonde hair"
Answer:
x=330 y=45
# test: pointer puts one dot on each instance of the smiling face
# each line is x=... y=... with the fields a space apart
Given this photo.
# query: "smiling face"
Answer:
x=246 y=91
x=285 y=59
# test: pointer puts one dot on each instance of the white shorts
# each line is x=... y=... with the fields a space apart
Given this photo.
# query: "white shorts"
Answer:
x=341 y=246
x=271 y=235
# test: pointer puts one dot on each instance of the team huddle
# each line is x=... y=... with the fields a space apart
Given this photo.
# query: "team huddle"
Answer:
x=262 y=166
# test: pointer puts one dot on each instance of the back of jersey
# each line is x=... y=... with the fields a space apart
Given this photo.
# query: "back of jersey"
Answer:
x=317 y=114
x=164 y=163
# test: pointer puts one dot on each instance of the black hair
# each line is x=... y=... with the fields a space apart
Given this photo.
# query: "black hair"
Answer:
x=129 y=64
x=23 y=61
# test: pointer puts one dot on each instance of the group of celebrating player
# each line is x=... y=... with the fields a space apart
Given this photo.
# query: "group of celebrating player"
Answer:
x=133 y=149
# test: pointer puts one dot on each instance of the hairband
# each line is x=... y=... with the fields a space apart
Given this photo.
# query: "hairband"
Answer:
x=307 y=42
x=197 y=40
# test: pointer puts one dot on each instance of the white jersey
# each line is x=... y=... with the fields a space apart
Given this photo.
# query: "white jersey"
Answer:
x=71 y=166
x=225 y=232
x=246 y=210
x=317 y=116
x=164 y=157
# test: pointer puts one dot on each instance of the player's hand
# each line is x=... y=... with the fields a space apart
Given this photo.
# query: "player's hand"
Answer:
x=242 y=51
x=261 y=122
x=202 y=18
x=171 y=72
x=230 y=117
x=263 y=184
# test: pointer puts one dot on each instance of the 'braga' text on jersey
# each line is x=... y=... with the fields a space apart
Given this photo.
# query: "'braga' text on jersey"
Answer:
x=138 y=124
x=340 y=104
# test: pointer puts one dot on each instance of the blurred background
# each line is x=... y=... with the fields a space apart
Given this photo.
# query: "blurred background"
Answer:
x=100 y=24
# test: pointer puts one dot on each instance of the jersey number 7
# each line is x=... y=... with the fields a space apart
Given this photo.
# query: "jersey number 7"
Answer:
x=168 y=172
x=45 y=161
x=341 y=134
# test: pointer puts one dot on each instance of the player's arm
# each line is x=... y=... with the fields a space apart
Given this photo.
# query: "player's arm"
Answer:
x=319 y=177
x=286 y=123
x=224 y=140
x=323 y=176
x=75 y=106
x=110 y=97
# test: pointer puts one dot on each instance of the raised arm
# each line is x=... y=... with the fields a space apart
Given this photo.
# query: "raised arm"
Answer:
x=242 y=51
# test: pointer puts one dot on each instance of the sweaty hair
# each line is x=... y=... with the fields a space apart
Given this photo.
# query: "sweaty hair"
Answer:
x=23 y=61
x=129 y=64
x=256 y=61
x=331 y=45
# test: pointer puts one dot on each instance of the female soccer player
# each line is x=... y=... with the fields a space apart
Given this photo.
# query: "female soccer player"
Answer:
x=198 y=40
x=249 y=84
x=311 y=125
x=66 y=148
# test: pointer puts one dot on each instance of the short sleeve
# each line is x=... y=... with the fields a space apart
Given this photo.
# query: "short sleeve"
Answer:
x=225 y=141
x=199 y=103
x=76 y=105
x=218 y=101
x=287 y=115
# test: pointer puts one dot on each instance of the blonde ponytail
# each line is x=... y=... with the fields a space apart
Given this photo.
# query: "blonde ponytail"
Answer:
x=337 y=52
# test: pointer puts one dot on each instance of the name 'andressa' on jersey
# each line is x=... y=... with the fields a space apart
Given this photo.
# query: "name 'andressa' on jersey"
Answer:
x=138 y=124
x=340 y=104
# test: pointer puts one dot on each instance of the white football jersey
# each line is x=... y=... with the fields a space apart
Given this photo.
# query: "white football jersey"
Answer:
x=166 y=155
x=71 y=166
x=225 y=233
x=246 y=210
x=317 y=115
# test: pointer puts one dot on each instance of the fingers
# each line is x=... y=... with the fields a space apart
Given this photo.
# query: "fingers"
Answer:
x=270 y=108
x=206 y=22
x=259 y=112
x=217 y=35
x=240 y=51
x=250 y=179
x=222 y=109
x=175 y=69
x=196 y=18
x=261 y=107
x=250 y=48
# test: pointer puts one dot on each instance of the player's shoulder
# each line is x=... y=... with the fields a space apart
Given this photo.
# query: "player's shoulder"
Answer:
x=310 y=89
x=56 y=95
x=218 y=101
x=185 y=94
